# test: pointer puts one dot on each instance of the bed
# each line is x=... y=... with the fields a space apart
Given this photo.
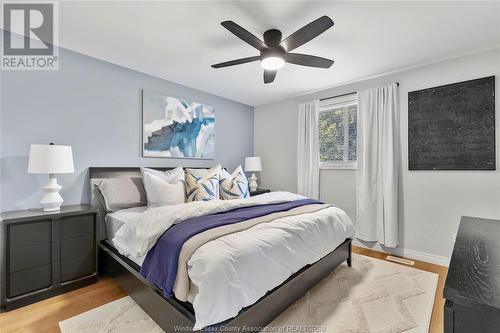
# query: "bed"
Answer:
x=215 y=298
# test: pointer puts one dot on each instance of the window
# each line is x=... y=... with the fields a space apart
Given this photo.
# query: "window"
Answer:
x=338 y=132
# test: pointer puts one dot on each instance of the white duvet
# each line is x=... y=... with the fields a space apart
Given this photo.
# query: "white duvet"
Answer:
x=136 y=238
x=234 y=271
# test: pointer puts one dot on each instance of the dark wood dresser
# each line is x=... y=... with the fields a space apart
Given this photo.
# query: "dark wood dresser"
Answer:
x=472 y=289
x=46 y=253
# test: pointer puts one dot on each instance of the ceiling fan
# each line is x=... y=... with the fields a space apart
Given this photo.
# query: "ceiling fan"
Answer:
x=274 y=52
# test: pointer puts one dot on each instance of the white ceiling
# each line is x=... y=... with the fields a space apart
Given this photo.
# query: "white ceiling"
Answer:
x=179 y=41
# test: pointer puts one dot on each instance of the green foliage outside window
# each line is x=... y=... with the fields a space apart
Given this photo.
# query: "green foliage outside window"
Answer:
x=338 y=139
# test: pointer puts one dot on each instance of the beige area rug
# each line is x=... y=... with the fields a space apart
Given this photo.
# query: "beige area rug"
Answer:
x=372 y=296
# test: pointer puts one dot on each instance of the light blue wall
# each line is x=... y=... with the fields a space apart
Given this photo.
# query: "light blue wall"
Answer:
x=95 y=107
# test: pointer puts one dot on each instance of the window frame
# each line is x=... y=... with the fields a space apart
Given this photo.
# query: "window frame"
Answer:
x=326 y=105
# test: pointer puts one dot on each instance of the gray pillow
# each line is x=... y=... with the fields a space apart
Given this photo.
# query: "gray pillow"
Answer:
x=120 y=193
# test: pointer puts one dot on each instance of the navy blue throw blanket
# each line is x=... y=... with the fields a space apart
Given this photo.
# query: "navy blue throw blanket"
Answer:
x=160 y=265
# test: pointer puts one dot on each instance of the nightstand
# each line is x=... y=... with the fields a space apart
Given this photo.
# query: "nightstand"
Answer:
x=46 y=253
x=259 y=191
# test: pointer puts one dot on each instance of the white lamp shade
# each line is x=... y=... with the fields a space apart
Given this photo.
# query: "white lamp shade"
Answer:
x=50 y=159
x=253 y=164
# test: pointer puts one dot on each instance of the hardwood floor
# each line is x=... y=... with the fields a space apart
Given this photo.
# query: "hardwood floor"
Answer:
x=45 y=316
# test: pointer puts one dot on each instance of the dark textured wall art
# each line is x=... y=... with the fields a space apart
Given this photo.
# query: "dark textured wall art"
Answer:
x=452 y=127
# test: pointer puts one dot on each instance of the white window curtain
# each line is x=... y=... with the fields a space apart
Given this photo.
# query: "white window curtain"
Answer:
x=308 y=150
x=377 y=178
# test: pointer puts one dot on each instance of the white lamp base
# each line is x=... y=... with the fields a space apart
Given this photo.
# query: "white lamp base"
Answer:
x=253 y=182
x=52 y=200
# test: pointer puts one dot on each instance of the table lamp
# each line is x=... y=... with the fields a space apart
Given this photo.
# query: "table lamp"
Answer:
x=51 y=159
x=253 y=164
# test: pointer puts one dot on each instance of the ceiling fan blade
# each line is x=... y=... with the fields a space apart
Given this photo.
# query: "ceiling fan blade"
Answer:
x=244 y=35
x=269 y=76
x=236 y=62
x=308 y=60
x=307 y=32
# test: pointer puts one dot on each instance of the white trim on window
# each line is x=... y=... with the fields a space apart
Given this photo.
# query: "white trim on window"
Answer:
x=338 y=165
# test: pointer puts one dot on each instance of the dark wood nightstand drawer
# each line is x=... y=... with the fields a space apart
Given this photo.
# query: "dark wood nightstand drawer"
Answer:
x=28 y=234
x=77 y=226
x=30 y=280
x=46 y=253
x=77 y=247
x=30 y=256
x=259 y=191
x=77 y=267
x=463 y=319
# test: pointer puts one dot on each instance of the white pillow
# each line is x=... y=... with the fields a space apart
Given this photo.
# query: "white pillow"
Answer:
x=164 y=188
x=168 y=175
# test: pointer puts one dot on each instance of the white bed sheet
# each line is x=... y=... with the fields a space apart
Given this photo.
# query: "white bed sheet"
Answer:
x=114 y=221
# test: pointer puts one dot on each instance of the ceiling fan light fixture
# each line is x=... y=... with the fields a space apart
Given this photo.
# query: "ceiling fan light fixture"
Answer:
x=272 y=63
x=274 y=51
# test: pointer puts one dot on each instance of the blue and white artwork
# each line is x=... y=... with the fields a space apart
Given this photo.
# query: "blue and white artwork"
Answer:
x=177 y=128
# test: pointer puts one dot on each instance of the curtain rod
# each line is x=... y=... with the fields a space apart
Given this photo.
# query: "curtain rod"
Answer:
x=351 y=93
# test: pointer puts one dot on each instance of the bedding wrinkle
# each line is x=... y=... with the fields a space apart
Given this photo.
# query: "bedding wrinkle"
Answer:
x=182 y=283
x=137 y=237
x=287 y=249
x=161 y=264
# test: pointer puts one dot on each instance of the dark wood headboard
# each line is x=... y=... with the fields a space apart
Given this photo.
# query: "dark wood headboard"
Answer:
x=115 y=172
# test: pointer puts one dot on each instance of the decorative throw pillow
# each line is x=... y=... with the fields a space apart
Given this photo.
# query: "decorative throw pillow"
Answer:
x=121 y=193
x=234 y=186
x=203 y=188
x=200 y=172
x=164 y=187
x=224 y=174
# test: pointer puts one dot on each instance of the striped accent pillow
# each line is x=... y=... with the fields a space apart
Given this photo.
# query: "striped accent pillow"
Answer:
x=203 y=188
x=234 y=186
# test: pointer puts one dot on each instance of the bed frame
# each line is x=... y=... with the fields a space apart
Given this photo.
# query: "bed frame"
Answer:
x=173 y=315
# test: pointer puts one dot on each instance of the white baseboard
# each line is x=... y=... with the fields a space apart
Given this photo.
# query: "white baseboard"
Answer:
x=422 y=256
x=412 y=254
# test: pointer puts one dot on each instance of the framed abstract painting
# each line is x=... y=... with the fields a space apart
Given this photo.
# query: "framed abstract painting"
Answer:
x=176 y=128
